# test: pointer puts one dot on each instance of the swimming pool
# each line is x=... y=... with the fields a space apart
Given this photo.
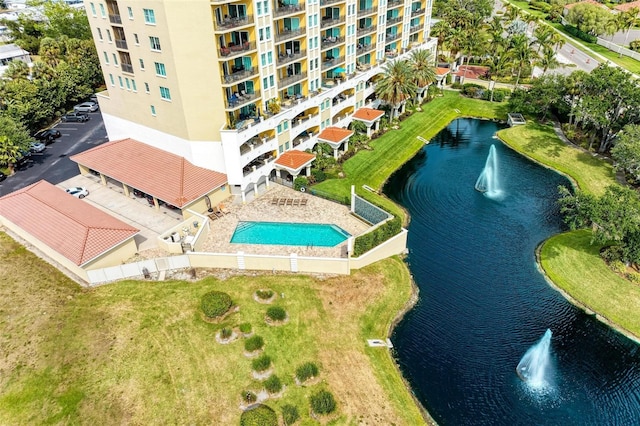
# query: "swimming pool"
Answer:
x=289 y=234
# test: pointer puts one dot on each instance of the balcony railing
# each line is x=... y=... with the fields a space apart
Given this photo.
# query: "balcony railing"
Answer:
x=238 y=101
x=365 y=30
x=230 y=23
x=239 y=75
x=367 y=11
x=364 y=48
x=233 y=50
x=414 y=28
x=394 y=3
x=417 y=12
x=127 y=68
x=330 y=22
x=328 y=2
x=391 y=37
x=284 y=58
x=391 y=21
x=330 y=41
x=289 y=80
x=115 y=19
x=298 y=121
x=288 y=34
x=326 y=64
x=288 y=9
x=121 y=44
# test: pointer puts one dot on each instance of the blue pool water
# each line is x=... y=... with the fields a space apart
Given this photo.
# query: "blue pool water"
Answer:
x=289 y=234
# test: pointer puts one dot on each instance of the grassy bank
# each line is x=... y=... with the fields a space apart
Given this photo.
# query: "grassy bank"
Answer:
x=139 y=352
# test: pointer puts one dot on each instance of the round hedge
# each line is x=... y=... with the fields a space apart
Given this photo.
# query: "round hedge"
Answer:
x=249 y=397
x=322 y=402
x=253 y=343
x=306 y=371
x=215 y=304
x=262 y=415
x=273 y=384
x=245 y=327
x=290 y=414
x=225 y=333
x=262 y=363
x=264 y=294
x=277 y=313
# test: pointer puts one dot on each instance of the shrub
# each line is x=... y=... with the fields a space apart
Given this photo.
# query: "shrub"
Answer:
x=245 y=327
x=456 y=85
x=276 y=313
x=366 y=242
x=248 y=397
x=580 y=34
x=273 y=384
x=215 y=304
x=323 y=402
x=318 y=175
x=306 y=371
x=262 y=415
x=253 y=343
x=618 y=267
x=472 y=90
x=634 y=277
x=262 y=363
x=290 y=414
x=635 y=45
x=611 y=253
x=300 y=182
x=226 y=332
x=264 y=294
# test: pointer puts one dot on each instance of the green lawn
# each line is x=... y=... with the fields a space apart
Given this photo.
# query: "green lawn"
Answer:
x=140 y=353
x=576 y=267
x=541 y=143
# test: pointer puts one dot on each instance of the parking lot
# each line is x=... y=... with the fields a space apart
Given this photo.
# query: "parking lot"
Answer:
x=53 y=163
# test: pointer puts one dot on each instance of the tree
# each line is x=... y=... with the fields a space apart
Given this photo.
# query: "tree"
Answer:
x=17 y=70
x=14 y=142
x=421 y=64
x=589 y=18
x=441 y=31
x=547 y=60
x=397 y=85
x=50 y=51
x=626 y=151
x=498 y=64
x=544 y=94
x=626 y=21
x=454 y=42
x=63 y=20
x=24 y=32
x=543 y=35
x=473 y=45
x=522 y=53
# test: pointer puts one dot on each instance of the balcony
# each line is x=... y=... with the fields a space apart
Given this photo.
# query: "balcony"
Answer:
x=367 y=11
x=121 y=44
x=239 y=75
x=284 y=58
x=328 y=2
x=302 y=120
x=415 y=28
x=115 y=19
x=365 y=30
x=364 y=48
x=392 y=37
x=289 y=34
x=394 y=3
x=237 y=49
x=330 y=41
x=288 y=10
x=257 y=164
x=238 y=101
x=330 y=22
x=417 y=12
x=231 y=23
x=289 y=80
x=288 y=102
x=392 y=21
x=127 y=68
x=330 y=63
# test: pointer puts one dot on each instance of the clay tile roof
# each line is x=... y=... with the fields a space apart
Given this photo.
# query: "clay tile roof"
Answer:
x=335 y=134
x=442 y=71
x=626 y=6
x=295 y=159
x=368 y=114
x=153 y=171
x=72 y=227
x=571 y=5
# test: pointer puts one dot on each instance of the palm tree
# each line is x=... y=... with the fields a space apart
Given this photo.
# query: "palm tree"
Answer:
x=42 y=71
x=557 y=40
x=454 y=42
x=50 y=51
x=543 y=35
x=522 y=53
x=397 y=85
x=441 y=31
x=626 y=21
x=547 y=60
x=17 y=70
x=10 y=153
x=473 y=45
x=498 y=63
x=421 y=63
x=512 y=12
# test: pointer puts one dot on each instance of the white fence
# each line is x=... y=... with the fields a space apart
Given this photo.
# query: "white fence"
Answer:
x=618 y=49
x=137 y=269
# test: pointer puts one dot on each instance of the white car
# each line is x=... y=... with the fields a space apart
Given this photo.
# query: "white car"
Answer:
x=78 y=191
x=86 y=107
x=37 y=147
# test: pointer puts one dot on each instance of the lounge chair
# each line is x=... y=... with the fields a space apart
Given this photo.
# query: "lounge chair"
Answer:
x=296 y=202
x=274 y=201
x=303 y=201
x=289 y=202
x=282 y=201
x=212 y=216
x=224 y=209
x=218 y=211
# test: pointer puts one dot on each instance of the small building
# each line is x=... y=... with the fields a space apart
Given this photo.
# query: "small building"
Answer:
x=68 y=231
x=336 y=137
x=11 y=52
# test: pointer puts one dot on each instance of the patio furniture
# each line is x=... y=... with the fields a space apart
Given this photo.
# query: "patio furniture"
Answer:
x=274 y=201
x=212 y=216
x=289 y=202
x=303 y=201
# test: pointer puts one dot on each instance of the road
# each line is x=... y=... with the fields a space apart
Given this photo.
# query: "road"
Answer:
x=54 y=164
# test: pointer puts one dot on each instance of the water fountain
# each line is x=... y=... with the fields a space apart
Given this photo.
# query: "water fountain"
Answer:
x=488 y=180
x=534 y=365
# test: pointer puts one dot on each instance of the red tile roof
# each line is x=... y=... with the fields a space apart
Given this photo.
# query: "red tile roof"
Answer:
x=295 y=159
x=335 y=134
x=473 y=71
x=72 y=227
x=368 y=114
x=153 y=171
x=442 y=71
x=624 y=7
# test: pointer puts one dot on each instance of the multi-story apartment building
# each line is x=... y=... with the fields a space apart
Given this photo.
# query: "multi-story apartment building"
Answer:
x=232 y=84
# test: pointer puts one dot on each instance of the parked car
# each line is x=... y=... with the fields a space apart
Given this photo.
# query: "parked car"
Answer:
x=47 y=136
x=75 y=116
x=78 y=191
x=86 y=107
x=37 y=147
x=2 y=176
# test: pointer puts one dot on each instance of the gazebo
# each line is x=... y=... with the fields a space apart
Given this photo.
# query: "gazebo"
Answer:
x=370 y=117
x=293 y=162
x=335 y=136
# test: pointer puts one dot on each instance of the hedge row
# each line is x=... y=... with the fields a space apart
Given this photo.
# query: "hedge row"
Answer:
x=366 y=242
x=580 y=34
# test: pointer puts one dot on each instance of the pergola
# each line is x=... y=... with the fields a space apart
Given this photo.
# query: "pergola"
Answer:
x=335 y=136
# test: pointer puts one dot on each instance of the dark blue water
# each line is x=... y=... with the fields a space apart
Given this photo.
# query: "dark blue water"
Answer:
x=483 y=302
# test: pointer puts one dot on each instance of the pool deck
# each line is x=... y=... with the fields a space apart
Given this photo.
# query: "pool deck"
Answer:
x=317 y=210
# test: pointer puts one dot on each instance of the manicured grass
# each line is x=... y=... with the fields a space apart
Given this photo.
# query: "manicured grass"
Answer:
x=140 y=352
x=541 y=143
x=396 y=147
x=576 y=267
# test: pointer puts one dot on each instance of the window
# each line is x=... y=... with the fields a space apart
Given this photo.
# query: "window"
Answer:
x=141 y=64
x=149 y=16
x=165 y=93
x=279 y=128
x=93 y=9
x=126 y=80
x=286 y=126
x=102 y=12
x=268 y=33
x=160 y=70
x=146 y=87
x=266 y=6
x=115 y=59
x=133 y=83
x=109 y=36
x=281 y=149
x=99 y=33
x=269 y=58
x=113 y=82
x=286 y=145
x=130 y=11
x=265 y=83
x=272 y=81
x=259 y=8
x=263 y=59
x=155 y=43
x=135 y=38
x=106 y=57
x=153 y=110
x=120 y=81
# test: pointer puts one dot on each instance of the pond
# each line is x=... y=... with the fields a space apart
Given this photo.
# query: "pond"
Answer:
x=483 y=302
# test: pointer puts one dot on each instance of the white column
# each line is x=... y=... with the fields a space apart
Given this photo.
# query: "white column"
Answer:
x=369 y=131
x=309 y=170
x=255 y=189
x=346 y=145
x=335 y=153
x=244 y=197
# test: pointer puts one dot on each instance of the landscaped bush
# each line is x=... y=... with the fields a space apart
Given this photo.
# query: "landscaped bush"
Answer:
x=634 y=277
x=253 y=343
x=618 y=267
x=245 y=328
x=318 y=175
x=611 y=253
x=499 y=95
x=540 y=5
x=290 y=414
x=273 y=384
x=248 y=397
x=300 y=182
x=366 y=242
x=635 y=45
x=226 y=332
x=262 y=415
x=306 y=371
x=215 y=304
x=262 y=363
x=323 y=402
x=456 y=85
x=264 y=294
x=472 y=90
x=580 y=34
x=276 y=313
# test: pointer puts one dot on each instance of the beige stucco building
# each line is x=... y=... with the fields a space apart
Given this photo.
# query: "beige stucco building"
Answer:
x=230 y=85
